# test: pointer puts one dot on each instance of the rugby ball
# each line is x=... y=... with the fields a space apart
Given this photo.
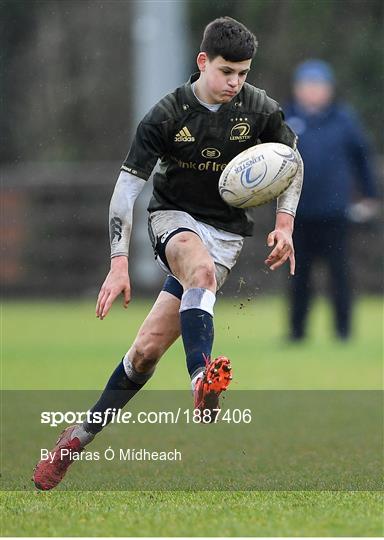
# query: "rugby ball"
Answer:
x=258 y=175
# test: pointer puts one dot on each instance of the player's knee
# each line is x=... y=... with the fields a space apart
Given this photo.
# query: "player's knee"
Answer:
x=203 y=275
x=145 y=356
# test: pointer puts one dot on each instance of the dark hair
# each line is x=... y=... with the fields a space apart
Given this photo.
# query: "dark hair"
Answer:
x=230 y=39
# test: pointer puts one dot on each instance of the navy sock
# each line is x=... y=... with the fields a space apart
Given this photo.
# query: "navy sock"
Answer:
x=118 y=391
x=197 y=332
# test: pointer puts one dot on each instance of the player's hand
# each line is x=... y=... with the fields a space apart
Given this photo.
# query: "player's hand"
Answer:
x=116 y=282
x=283 y=250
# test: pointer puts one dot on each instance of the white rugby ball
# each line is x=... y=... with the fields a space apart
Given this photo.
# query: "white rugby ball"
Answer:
x=258 y=175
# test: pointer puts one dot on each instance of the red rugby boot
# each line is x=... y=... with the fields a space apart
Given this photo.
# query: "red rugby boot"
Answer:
x=47 y=475
x=216 y=379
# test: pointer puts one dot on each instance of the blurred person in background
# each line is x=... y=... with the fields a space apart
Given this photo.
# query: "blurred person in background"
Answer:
x=337 y=161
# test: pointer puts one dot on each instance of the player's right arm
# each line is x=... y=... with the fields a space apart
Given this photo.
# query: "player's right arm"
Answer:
x=127 y=189
x=147 y=147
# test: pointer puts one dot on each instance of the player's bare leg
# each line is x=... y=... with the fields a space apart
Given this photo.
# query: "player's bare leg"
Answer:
x=190 y=261
x=192 y=264
x=160 y=329
x=157 y=333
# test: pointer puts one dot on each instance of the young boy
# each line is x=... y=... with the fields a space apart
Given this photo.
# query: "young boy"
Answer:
x=194 y=131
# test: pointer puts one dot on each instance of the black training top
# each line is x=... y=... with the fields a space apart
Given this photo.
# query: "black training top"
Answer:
x=194 y=146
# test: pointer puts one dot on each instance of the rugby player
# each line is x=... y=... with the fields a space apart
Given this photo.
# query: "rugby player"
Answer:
x=194 y=131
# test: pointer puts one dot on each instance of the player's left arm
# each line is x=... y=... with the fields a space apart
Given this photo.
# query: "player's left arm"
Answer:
x=281 y=237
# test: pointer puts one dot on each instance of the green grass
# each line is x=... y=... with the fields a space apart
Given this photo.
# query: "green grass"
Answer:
x=62 y=346
x=192 y=514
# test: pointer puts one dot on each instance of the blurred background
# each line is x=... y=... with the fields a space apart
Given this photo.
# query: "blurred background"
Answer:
x=77 y=75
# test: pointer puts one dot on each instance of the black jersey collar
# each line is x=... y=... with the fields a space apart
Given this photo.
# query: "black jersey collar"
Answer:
x=192 y=101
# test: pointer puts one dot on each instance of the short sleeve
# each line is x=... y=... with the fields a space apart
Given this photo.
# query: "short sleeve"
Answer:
x=147 y=146
x=277 y=130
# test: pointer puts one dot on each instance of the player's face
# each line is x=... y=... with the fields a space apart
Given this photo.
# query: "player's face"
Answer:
x=220 y=80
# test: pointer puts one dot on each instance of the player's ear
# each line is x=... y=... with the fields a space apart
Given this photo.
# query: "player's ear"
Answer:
x=202 y=60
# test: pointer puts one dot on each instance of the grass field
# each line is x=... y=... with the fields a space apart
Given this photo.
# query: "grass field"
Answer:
x=62 y=346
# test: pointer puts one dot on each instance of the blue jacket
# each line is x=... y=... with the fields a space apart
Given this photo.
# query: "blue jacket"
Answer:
x=336 y=160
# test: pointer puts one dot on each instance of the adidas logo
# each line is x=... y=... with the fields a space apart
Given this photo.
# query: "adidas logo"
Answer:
x=184 y=135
